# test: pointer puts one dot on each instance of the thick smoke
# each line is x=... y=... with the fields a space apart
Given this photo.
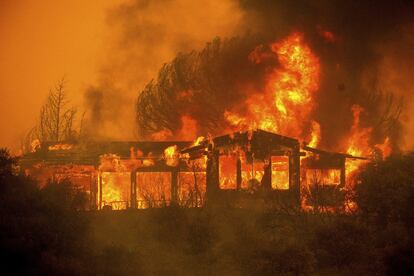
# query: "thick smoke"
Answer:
x=199 y=85
x=360 y=45
x=143 y=35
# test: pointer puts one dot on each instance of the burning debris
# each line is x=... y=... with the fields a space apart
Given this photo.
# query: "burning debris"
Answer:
x=242 y=169
x=276 y=87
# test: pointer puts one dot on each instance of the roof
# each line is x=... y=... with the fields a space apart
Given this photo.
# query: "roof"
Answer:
x=88 y=153
x=333 y=154
x=259 y=141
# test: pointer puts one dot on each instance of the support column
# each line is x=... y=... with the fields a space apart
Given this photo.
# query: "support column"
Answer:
x=267 y=176
x=212 y=177
x=343 y=173
x=294 y=175
x=133 y=203
x=100 y=190
x=174 y=187
x=93 y=191
x=239 y=174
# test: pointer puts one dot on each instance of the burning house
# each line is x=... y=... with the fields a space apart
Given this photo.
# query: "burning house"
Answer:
x=242 y=169
x=229 y=87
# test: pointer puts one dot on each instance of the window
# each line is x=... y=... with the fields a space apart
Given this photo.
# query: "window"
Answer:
x=228 y=172
x=280 y=172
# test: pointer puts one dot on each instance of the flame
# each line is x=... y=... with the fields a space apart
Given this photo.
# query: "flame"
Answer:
x=35 y=145
x=171 y=155
x=198 y=140
x=287 y=101
x=385 y=147
x=315 y=134
x=357 y=145
x=60 y=147
x=162 y=135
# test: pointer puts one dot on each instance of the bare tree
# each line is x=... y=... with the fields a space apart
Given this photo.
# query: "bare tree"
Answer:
x=56 y=118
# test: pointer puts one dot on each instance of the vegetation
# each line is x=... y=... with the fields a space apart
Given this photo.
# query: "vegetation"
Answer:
x=56 y=119
x=44 y=231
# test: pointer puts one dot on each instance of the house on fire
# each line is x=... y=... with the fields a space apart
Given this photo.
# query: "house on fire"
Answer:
x=242 y=169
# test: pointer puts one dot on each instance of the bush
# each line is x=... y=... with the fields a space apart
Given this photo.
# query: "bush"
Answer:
x=385 y=190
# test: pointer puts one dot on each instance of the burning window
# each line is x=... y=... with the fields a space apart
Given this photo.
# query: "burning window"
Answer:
x=228 y=172
x=323 y=176
x=153 y=189
x=252 y=174
x=280 y=172
x=116 y=187
x=192 y=188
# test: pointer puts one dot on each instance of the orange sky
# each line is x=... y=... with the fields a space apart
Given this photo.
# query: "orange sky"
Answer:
x=44 y=40
x=39 y=43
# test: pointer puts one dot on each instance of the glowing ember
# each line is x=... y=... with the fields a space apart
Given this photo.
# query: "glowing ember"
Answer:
x=60 y=147
x=35 y=145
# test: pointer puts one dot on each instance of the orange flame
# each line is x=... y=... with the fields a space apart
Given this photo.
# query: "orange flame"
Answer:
x=171 y=155
x=289 y=89
x=60 y=147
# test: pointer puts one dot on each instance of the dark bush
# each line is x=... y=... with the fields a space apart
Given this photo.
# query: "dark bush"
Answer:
x=385 y=190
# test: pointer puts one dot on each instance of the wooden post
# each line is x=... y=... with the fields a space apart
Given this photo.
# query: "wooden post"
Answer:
x=100 y=190
x=92 y=188
x=212 y=177
x=239 y=174
x=343 y=173
x=133 y=189
x=294 y=174
x=174 y=186
x=267 y=176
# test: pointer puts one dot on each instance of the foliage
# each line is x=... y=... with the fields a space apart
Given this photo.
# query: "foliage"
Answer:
x=199 y=84
x=386 y=190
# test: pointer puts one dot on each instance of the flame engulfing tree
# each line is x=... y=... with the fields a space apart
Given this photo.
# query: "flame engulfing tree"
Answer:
x=56 y=119
x=198 y=85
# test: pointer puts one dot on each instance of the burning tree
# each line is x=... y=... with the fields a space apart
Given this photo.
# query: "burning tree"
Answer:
x=193 y=86
x=56 y=118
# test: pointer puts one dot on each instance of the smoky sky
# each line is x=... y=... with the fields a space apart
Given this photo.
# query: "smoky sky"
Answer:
x=366 y=64
x=110 y=51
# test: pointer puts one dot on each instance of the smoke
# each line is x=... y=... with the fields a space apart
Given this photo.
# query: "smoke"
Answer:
x=394 y=73
x=366 y=62
x=360 y=61
x=142 y=36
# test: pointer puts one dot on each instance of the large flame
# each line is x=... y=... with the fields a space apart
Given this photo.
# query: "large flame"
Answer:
x=287 y=101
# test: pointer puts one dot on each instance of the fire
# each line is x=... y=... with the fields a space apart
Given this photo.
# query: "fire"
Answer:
x=60 y=147
x=198 y=140
x=286 y=103
x=315 y=134
x=35 y=145
x=357 y=144
x=171 y=155
x=385 y=147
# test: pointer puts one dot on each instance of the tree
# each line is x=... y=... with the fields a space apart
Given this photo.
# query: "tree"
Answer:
x=56 y=118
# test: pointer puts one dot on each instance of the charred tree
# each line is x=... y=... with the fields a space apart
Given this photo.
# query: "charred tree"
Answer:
x=200 y=85
x=56 y=118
